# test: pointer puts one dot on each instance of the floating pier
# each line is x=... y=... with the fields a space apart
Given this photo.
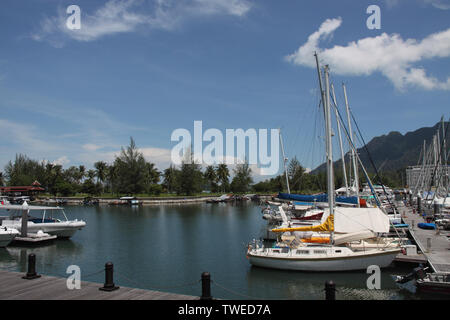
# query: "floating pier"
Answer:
x=434 y=244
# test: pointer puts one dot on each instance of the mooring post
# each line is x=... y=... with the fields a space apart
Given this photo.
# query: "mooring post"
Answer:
x=24 y=224
x=419 y=205
x=412 y=224
x=206 y=286
x=428 y=244
x=31 y=274
x=436 y=208
x=330 y=290
x=109 y=278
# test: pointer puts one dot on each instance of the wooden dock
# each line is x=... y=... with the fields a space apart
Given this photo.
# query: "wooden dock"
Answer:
x=438 y=254
x=13 y=287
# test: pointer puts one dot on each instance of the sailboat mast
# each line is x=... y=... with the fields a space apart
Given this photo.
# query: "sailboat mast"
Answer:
x=344 y=171
x=355 y=167
x=329 y=148
x=284 y=161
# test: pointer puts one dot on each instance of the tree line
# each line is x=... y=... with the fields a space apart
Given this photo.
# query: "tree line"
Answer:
x=131 y=174
x=128 y=174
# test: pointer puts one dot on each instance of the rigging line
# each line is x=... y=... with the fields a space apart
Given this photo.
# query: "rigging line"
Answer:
x=437 y=163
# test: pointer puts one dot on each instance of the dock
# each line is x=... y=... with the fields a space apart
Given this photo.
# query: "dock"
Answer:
x=434 y=245
x=14 y=287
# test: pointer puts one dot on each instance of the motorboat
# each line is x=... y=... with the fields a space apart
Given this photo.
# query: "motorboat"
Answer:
x=7 y=235
x=51 y=220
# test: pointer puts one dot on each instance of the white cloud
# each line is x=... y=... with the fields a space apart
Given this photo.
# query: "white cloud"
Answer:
x=439 y=4
x=91 y=147
x=389 y=55
x=121 y=16
x=62 y=161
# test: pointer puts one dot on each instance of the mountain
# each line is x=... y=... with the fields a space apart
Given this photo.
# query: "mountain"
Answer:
x=394 y=151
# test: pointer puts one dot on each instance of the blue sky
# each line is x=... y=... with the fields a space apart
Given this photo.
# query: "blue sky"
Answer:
x=145 y=68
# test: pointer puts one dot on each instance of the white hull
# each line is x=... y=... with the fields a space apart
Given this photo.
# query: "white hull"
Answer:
x=64 y=229
x=322 y=263
x=6 y=236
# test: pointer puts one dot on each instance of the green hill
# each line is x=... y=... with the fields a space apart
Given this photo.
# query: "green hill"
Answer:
x=394 y=151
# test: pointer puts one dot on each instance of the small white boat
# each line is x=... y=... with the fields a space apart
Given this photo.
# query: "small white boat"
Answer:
x=46 y=223
x=7 y=235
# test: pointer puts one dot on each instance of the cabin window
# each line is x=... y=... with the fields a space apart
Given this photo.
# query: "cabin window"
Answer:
x=320 y=251
x=302 y=251
x=285 y=250
x=276 y=251
x=338 y=251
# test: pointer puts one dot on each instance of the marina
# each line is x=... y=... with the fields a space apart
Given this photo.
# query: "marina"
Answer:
x=224 y=150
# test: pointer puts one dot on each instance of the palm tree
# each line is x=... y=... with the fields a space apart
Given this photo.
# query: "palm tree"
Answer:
x=223 y=174
x=210 y=176
x=170 y=178
x=82 y=173
x=100 y=171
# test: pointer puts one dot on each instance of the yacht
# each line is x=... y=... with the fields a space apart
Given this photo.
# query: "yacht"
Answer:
x=51 y=220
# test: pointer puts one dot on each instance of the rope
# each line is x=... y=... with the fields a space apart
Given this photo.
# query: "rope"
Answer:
x=155 y=287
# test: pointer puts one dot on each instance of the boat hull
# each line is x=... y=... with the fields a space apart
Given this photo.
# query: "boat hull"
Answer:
x=345 y=263
x=59 y=229
x=6 y=236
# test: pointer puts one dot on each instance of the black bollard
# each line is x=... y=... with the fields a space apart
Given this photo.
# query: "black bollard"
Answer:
x=419 y=205
x=436 y=208
x=109 y=280
x=31 y=274
x=206 y=286
x=330 y=290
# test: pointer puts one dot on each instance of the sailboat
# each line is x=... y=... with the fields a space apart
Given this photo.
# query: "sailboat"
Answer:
x=349 y=224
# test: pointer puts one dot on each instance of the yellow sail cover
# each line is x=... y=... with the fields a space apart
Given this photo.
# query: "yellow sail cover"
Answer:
x=328 y=225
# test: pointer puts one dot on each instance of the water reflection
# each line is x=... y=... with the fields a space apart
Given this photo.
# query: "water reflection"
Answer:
x=167 y=246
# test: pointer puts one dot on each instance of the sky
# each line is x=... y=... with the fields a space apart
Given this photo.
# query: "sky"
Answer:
x=144 y=68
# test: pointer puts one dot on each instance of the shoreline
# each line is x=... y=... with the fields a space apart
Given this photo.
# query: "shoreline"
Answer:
x=144 y=201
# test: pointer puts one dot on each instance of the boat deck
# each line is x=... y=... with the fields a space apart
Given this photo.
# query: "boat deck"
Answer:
x=13 y=287
x=438 y=255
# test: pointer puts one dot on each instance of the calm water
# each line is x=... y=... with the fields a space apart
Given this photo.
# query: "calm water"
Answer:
x=168 y=247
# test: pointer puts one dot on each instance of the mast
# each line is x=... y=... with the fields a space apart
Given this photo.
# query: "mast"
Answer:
x=322 y=93
x=444 y=168
x=340 y=141
x=355 y=166
x=284 y=161
x=329 y=150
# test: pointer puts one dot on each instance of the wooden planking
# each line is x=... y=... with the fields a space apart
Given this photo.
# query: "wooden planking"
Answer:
x=13 y=287
x=439 y=255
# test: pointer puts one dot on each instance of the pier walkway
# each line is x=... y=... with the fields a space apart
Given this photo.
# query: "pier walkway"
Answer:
x=435 y=246
x=13 y=287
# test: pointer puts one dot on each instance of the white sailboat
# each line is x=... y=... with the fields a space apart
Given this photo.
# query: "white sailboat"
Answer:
x=358 y=223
